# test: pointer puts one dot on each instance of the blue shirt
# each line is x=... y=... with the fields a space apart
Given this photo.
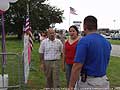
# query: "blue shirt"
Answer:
x=93 y=51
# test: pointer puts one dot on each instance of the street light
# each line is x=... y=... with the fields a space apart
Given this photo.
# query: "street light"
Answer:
x=114 y=23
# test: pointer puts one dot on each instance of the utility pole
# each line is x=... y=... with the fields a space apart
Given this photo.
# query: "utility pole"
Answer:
x=114 y=23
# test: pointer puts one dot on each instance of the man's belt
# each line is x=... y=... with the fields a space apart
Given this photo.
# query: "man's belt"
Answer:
x=84 y=77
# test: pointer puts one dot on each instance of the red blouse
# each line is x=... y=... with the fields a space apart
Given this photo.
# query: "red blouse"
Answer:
x=70 y=50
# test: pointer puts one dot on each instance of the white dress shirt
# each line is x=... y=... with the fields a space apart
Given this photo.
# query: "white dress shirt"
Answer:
x=51 y=49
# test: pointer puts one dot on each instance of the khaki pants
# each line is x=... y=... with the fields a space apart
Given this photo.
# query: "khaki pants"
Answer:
x=93 y=83
x=52 y=73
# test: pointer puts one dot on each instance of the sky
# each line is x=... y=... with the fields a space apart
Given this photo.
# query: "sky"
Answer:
x=106 y=11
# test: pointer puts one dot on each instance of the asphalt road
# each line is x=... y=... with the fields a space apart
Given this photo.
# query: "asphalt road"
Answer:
x=115 y=50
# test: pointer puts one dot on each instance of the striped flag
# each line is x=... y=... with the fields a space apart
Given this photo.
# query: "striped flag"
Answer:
x=73 y=11
x=27 y=25
x=27 y=31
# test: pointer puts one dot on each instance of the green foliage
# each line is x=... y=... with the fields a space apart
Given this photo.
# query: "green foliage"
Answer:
x=41 y=16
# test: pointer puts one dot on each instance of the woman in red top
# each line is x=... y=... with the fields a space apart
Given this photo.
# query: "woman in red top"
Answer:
x=70 y=49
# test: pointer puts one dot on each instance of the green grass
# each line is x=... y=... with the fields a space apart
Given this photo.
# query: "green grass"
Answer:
x=36 y=76
x=116 y=42
x=113 y=71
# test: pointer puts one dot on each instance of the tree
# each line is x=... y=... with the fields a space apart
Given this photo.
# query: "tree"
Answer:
x=41 y=16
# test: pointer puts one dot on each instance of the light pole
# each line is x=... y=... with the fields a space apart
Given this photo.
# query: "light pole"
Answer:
x=114 y=23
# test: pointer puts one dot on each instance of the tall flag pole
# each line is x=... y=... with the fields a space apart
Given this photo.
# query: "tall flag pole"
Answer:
x=69 y=18
x=27 y=31
x=28 y=45
x=72 y=11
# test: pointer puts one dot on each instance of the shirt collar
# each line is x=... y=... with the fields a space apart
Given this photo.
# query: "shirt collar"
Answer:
x=51 y=40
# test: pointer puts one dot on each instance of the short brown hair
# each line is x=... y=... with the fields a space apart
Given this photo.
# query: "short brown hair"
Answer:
x=90 y=22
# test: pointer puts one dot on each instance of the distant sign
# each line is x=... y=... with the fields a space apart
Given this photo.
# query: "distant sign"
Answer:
x=77 y=22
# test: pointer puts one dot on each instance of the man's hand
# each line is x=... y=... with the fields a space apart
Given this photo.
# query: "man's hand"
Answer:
x=76 y=69
x=42 y=67
x=63 y=66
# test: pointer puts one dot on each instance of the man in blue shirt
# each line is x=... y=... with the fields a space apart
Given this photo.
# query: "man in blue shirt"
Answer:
x=91 y=60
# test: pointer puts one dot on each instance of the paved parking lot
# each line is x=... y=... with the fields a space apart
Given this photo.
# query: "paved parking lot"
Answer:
x=115 y=50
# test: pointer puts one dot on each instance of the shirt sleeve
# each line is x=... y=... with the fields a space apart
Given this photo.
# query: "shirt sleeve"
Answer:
x=41 y=48
x=61 y=47
x=81 y=51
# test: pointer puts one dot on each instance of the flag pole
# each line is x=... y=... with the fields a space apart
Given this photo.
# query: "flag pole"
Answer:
x=28 y=8
x=69 y=16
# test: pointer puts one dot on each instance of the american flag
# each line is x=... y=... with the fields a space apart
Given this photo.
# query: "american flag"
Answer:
x=27 y=25
x=27 y=31
x=73 y=11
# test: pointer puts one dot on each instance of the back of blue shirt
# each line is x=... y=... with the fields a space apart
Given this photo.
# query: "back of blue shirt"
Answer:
x=93 y=51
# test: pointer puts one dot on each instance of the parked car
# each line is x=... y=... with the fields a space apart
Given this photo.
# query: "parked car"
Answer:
x=115 y=36
x=106 y=36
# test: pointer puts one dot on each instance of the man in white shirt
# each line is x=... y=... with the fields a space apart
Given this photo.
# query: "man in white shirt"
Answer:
x=50 y=54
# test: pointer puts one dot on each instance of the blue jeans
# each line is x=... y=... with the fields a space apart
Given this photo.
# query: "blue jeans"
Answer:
x=68 y=68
